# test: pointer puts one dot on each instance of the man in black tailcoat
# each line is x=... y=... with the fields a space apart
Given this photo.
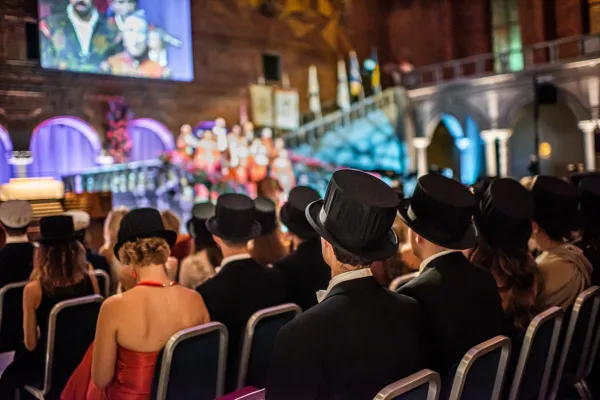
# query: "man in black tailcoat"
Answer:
x=460 y=300
x=16 y=258
x=304 y=271
x=361 y=336
x=242 y=286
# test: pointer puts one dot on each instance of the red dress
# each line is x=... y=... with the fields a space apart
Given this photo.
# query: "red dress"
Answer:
x=132 y=380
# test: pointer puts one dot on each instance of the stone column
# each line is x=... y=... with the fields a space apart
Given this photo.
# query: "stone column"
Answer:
x=503 y=135
x=421 y=144
x=491 y=162
x=588 y=128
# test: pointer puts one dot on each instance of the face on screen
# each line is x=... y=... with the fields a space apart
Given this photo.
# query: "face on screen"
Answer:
x=82 y=6
x=123 y=8
x=135 y=36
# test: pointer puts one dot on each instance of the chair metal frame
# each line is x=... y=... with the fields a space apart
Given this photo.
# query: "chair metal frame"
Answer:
x=402 y=280
x=253 y=395
x=555 y=314
x=106 y=288
x=176 y=339
x=41 y=393
x=592 y=293
x=499 y=342
x=398 y=388
x=5 y=289
x=249 y=335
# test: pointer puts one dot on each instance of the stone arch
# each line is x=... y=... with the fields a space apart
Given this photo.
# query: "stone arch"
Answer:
x=149 y=138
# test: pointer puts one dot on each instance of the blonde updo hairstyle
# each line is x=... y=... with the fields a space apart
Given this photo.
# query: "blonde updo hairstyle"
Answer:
x=143 y=252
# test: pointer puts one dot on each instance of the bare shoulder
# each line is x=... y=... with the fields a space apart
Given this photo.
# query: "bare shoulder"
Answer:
x=196 y=302
x=32 y=293
x=112 y=304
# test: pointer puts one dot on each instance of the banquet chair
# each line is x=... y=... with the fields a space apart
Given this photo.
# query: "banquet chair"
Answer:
x=577 y=344
x=402 y=280
x=11 y=316
x=103 y=281
x=71 y=330
x=192 y=364
x=422 y=385
x=481 y=372
x=534 y=367
x=258 y=395
x=258 y=342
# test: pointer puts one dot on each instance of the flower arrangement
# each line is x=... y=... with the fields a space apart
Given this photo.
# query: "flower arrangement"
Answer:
x=119 y=141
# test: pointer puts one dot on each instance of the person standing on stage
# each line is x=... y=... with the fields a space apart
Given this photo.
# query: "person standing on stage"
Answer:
x=79 y=39
x=16 y=258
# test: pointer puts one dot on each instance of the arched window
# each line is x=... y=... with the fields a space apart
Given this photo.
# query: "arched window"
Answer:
x=507 y=44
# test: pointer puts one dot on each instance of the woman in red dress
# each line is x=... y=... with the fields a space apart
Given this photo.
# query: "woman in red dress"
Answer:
x=134 y=326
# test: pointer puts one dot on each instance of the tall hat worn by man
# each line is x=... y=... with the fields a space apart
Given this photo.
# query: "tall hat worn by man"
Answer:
x=460 y=300
x=374 y=331
x=16 y=258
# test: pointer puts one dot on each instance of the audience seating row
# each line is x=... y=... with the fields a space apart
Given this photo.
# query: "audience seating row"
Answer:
x=483 y=370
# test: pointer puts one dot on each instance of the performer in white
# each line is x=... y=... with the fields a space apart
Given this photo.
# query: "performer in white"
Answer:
x=220 y=131
x=249 y=132
x=281 y=167
x=186 y=141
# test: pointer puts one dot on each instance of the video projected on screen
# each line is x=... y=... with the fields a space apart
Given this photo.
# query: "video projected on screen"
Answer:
x=142 y=39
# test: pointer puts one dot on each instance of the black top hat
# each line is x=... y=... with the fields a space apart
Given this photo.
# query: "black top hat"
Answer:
x=357 y=215
x=197 y=225
x=504 y=214
x=441 y=211
x=57 y=228
x=235 y=218
x=266 y=215
x=590 y=202
x=142 y=223
x=293 y=213
x=556 y=204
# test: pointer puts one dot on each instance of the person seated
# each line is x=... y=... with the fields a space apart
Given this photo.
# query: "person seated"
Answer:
x=16 y=257
x=267 y=248
x=564 y=270
x=360 y=337
x=242 y=286
x=81 y=220
x=111 y=231
x=133 y=327
x=60 y=273
x=199 y=267
x=503 y=218
x=184 y=245
x=460 y=300
x=304 y=271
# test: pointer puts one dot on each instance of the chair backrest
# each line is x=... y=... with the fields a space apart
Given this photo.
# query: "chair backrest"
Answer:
x=71 y=331
x=258 y=395
x=11 y=316
x=578 y=339
x=532 y=375
x=103 y=281
x=193 y=363
x=402 y=280
x=423 y=385
x=259 y=339
x=481 y=372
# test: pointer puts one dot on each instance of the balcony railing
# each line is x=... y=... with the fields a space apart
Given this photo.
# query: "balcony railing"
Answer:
x=546 y=53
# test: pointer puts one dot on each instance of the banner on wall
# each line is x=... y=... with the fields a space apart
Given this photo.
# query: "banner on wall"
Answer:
x=287 y=109
x=261 y=104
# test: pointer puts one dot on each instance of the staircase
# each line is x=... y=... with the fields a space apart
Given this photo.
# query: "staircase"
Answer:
x=364 y=137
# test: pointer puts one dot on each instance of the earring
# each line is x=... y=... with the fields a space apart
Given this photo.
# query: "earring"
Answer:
x=134 y=275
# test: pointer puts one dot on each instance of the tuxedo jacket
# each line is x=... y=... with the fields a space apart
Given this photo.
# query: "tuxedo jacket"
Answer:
x=16 y=263
x=462 y=308
x=239 y=290
x=304 y=272
x=359 y=339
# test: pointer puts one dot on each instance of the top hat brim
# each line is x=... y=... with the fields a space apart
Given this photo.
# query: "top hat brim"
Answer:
x=169 y=236
x=213 y=227
x=303 y=232
x=464 y=241
x=384 y=250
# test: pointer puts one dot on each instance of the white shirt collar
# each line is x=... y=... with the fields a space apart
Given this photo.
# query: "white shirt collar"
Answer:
x=346 y=276
x=429 y=259
x=231 y=259
x=84 y=30
x=17 y=239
